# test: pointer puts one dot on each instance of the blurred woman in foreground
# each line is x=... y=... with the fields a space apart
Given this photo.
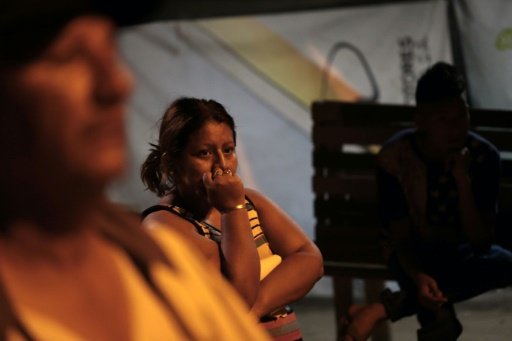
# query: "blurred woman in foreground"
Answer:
x=72 y=265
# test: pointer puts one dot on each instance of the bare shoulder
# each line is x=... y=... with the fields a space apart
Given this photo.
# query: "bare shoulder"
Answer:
x=166 y=219
x=160 y=220
x=259 y=199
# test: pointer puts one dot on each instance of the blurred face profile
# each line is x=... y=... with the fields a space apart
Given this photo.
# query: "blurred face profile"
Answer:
x=73 y=97
x=445 y=125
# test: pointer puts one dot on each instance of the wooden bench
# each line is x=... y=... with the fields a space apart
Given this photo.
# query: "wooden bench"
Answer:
x=346 y=138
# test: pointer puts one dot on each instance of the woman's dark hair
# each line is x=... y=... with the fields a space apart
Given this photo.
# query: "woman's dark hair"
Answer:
x=27 y=27
x=440 y=82
x=16 y=139
x=184 y=117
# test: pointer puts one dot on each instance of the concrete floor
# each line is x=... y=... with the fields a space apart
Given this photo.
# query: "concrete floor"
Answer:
x=485 y=318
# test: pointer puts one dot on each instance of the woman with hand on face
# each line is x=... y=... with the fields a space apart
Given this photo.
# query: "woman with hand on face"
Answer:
x=242 y=234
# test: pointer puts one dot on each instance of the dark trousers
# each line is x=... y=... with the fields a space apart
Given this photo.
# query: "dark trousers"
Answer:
x=460 y=274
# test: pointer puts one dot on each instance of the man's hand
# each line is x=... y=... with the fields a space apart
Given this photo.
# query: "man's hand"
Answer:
x=429 y=294
x=458 y=163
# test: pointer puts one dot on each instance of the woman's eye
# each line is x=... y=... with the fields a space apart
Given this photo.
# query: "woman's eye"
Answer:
x=203 y=153
x=64 y=55
x=229 y=150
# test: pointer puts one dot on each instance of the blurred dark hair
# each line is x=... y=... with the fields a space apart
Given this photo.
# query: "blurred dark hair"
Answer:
x=184 y=117
x=440 y=82
x=27 y=27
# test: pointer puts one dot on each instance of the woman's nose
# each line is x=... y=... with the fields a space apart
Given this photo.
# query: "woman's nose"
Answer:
x=220 y=160
x=114 y=81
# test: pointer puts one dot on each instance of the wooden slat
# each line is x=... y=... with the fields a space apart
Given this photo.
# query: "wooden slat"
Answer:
x=353 y=221
x=505 y=197
x=500 y=138
x=386 y=114
x=336 y=136
x=356 y=270
x=344 y=235
x=354 y=187
x=341 y=205
x=361 y=216
x=491 y=118
x=506 y=170
x=334 y=160
x=349 y=234
x=330 y=112
x=361 y=211
x=353 y=251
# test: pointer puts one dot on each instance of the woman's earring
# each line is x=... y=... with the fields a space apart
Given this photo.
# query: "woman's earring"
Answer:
x=169 y=181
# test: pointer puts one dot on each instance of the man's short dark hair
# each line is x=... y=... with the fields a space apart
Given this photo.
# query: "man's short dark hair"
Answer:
x=440 y=82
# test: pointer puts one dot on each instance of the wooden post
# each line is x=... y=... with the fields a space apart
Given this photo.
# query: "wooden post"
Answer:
x=373 y=288
x=343 y=298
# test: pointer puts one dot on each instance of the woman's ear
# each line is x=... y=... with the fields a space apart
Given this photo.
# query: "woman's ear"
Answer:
x=168 y=169
x=165 y=164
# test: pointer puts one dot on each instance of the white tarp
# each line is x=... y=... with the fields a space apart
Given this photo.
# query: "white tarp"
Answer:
x=486 y=35
x=398 y=41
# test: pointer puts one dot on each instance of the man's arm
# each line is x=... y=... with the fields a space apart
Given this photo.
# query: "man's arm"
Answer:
x=477 y=218
x=395 y=215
